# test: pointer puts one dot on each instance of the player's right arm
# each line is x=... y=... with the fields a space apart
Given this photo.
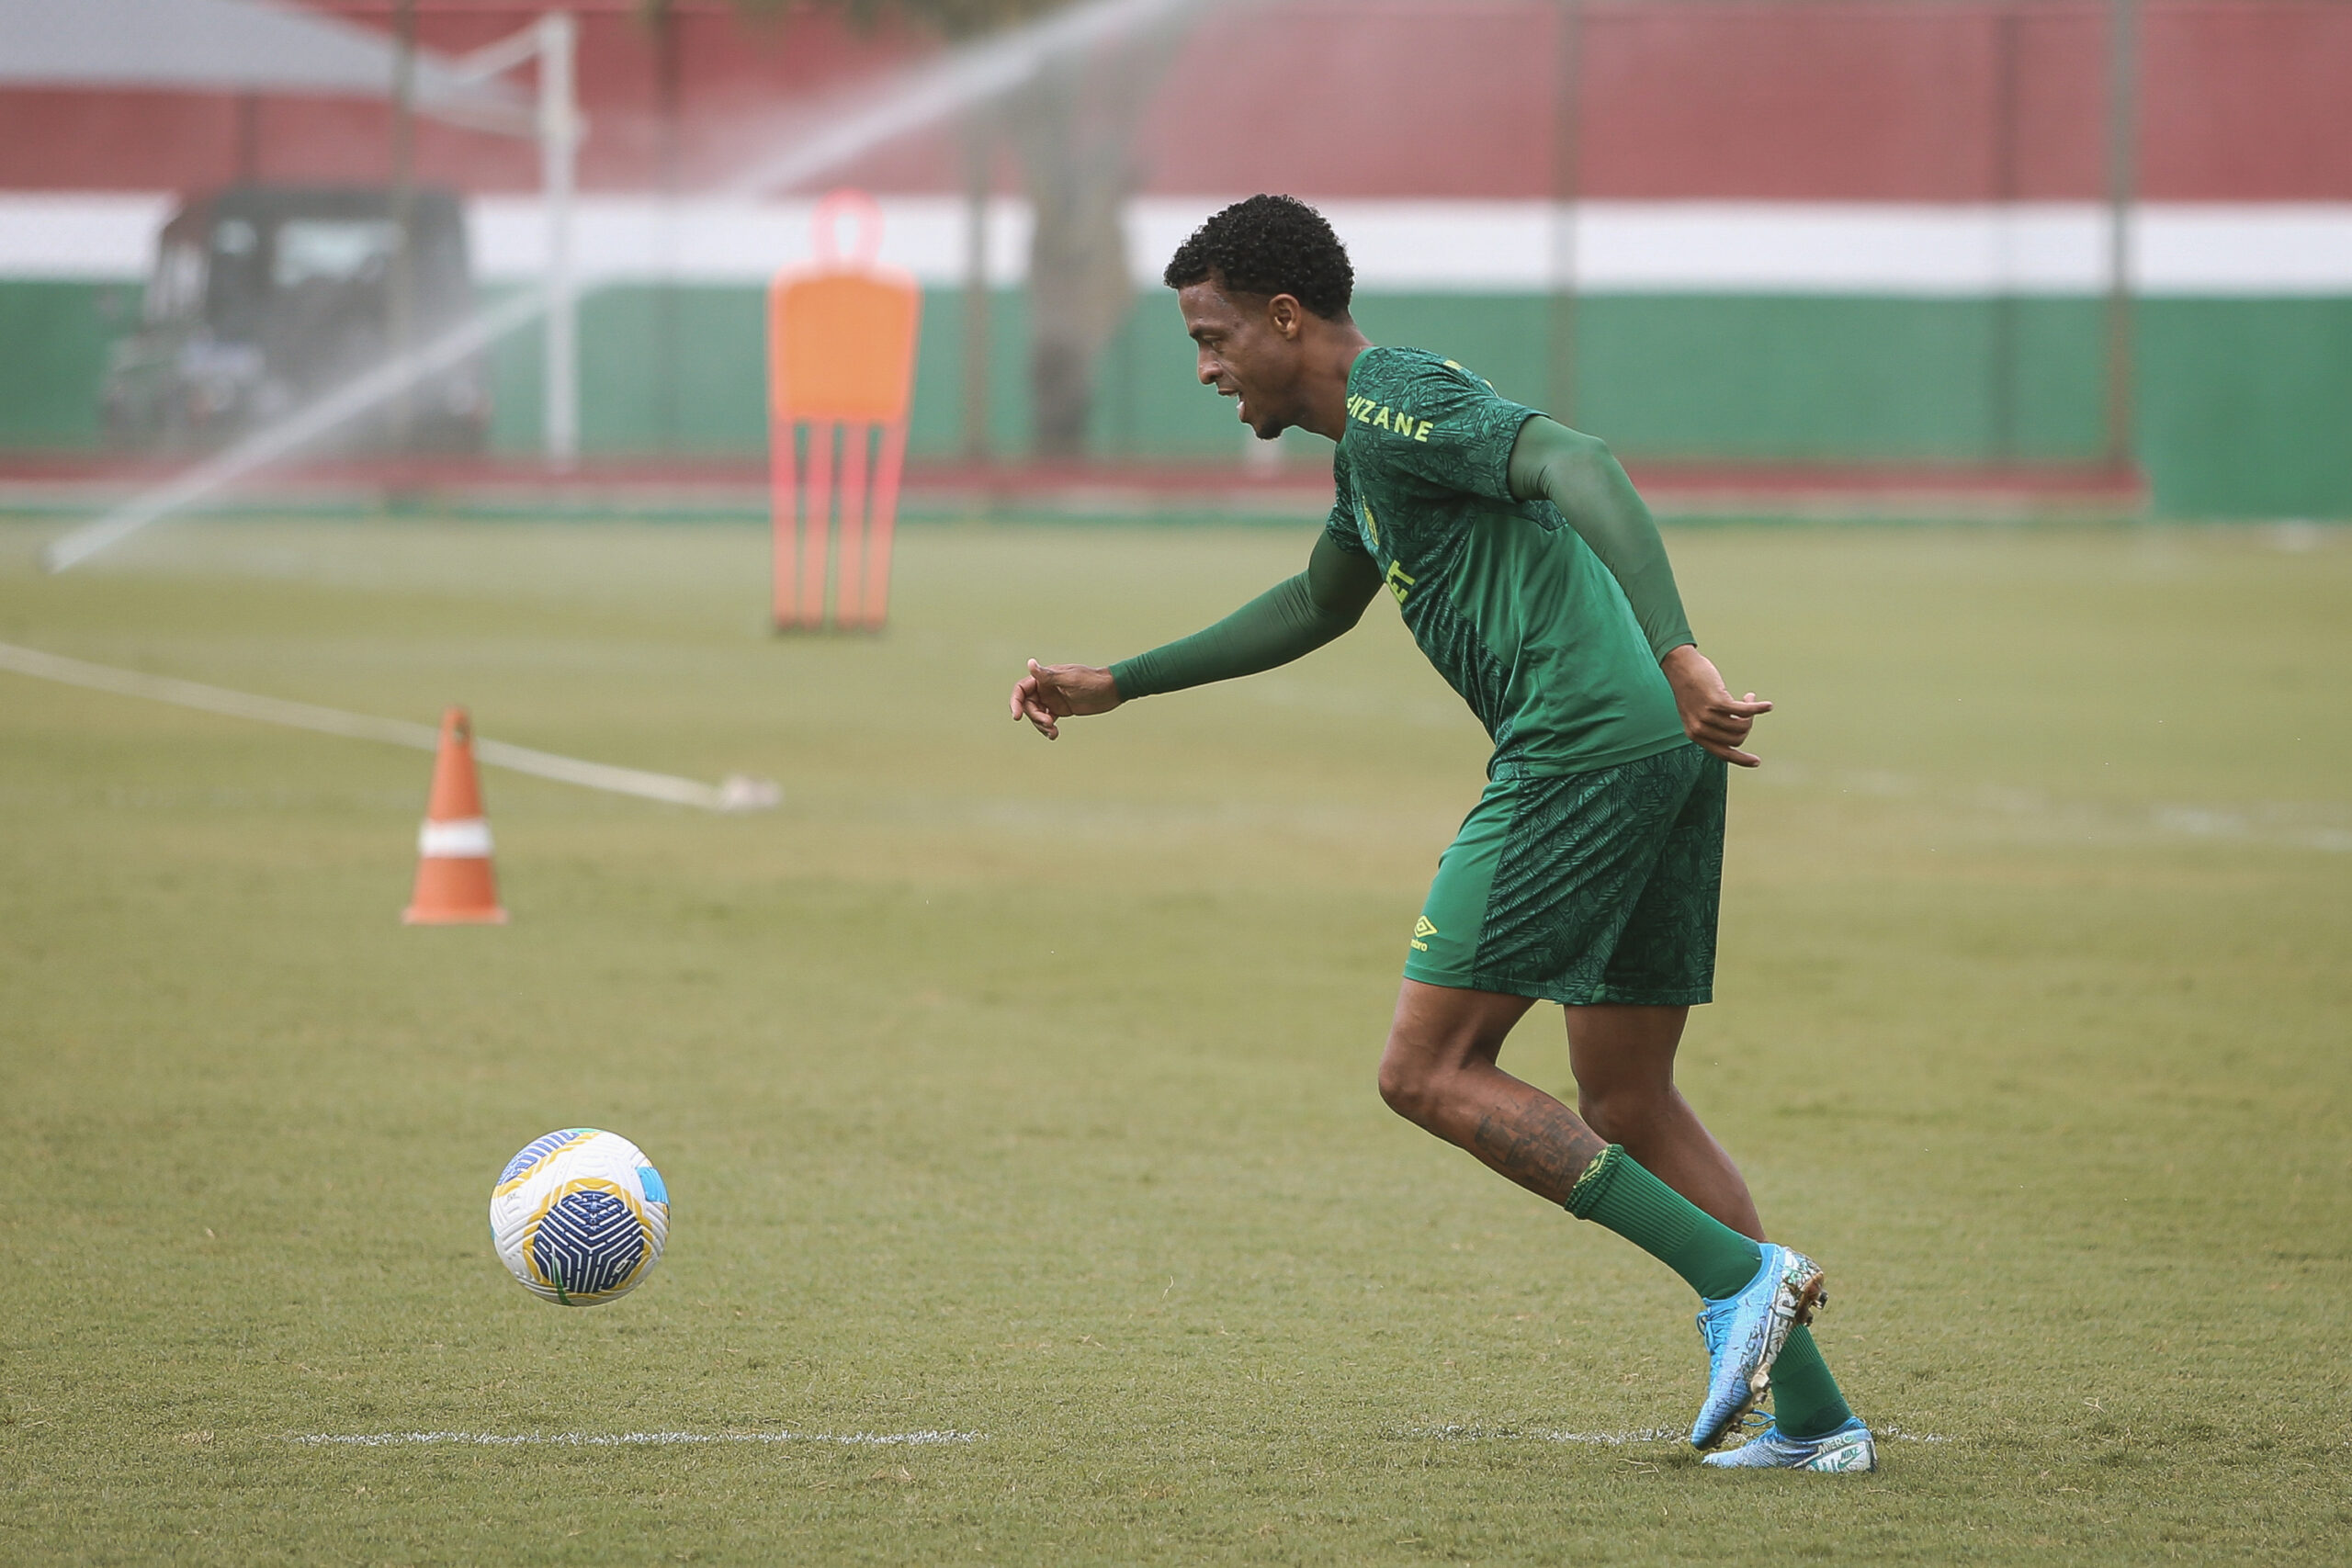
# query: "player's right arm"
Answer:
x=1576 y=474
x=1288 y=621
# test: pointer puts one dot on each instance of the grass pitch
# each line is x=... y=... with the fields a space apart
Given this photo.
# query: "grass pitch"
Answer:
x=1025 y=1091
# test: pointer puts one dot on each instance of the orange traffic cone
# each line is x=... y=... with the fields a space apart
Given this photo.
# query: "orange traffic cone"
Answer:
x=454 y=886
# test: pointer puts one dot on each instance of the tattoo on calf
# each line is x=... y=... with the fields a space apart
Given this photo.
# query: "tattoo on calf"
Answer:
x=1541 y=1145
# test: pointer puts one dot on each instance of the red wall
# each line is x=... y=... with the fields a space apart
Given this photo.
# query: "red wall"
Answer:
x=2243 y=100
x=730 y=74
x=1761 y=101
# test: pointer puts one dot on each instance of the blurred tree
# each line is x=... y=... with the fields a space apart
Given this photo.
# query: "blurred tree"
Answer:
x=1075 y=130
x=1073 y=127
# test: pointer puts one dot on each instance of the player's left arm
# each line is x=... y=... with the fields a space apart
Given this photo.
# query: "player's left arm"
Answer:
x=1288 y=621
x=1577 y=474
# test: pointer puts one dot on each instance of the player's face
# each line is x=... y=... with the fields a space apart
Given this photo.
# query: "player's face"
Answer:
x=1249 y=350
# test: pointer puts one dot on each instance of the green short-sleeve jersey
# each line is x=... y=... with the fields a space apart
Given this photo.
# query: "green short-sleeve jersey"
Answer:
x=1514 y=609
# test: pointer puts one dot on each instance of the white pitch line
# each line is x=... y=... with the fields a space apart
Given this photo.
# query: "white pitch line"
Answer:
x=735 y=793
x=1899 y=1436
x=1515 y=1434
x=1613 y=1439
x=636 y=1440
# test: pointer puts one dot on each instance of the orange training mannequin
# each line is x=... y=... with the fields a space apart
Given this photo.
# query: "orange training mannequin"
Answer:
x=840 y=361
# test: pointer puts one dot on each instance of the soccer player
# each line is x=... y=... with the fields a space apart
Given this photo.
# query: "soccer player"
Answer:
x=1529 y=573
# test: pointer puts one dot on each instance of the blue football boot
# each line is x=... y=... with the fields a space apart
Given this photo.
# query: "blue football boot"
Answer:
x=1745 y=1333
x=1847 y=1449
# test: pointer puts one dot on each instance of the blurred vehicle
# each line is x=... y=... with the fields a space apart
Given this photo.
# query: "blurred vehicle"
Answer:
x=265 y=298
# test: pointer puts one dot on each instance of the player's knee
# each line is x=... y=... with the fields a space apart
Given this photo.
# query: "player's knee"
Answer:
x=1399 y=1087
x=1408 y=1085
x=1621 y=1113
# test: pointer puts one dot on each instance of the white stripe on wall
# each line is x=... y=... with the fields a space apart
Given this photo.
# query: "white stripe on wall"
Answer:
x=100 y=236
x=1486 y=247
x=1850 y=249
x=734 y=241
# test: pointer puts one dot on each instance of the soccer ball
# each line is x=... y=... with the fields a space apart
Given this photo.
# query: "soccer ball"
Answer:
x=580 y=1216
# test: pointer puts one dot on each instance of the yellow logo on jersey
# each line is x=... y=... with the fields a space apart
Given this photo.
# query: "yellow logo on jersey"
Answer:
x=1370 y=525
x=1457 y=364
x=1422 y=927
x=1400 y=582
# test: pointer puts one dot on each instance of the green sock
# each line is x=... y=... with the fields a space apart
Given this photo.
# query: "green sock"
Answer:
x=1805 y=1401
x=1617 y=1195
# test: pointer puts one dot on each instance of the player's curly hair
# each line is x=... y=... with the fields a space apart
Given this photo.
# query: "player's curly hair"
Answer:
x=1269 y=244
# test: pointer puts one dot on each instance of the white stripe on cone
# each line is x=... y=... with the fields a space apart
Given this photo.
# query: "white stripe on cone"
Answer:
x=467 y=837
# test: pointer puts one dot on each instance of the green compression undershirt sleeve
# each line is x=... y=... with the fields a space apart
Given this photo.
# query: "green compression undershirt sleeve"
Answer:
x=1287 y=621
x=1575 y=473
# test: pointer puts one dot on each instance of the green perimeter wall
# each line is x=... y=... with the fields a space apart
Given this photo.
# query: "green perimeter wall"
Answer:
x=53 y=343
x=2244 y=405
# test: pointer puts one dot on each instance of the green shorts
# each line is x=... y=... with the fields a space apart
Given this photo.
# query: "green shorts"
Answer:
x=1588 y=887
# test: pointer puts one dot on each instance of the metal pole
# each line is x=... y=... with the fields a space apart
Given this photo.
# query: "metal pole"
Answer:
x=558 y=154
x=400 y=283
x=670 y=97
x=248 y=138
x=2001 y=363
x=979 y=161
x=1560 y=337
x=2122 y=186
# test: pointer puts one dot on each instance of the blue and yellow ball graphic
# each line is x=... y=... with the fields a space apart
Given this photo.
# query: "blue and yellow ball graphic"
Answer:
x=579 y=1216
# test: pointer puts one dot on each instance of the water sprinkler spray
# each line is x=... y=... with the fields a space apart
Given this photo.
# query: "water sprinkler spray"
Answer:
x=921 y=96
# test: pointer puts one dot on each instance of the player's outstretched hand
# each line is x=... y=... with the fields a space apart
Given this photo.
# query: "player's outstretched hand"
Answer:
x=1053 y=692
x=1709 y=716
